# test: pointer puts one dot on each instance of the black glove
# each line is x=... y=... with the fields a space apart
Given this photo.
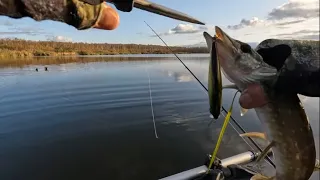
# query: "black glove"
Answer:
x=297 y=62
x=121 y=5
x=92 y=2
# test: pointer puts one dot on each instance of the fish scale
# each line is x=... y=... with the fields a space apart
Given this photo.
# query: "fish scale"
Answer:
x=287 y=125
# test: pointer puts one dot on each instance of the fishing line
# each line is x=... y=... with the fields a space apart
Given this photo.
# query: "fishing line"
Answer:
x=151 y=104
x=241 y=137
x=178 y=58
x=223 y=129
x=233 y=120
x=234 y=129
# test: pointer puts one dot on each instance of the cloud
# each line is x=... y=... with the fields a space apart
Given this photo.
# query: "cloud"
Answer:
x=283 y=21
x=31 y=31
x=314 y=32
x=59 y=39
x=292 y=12
x=7 y=23
x=185 y=29
x=244 y=22
x=295 y=9
x=9 y=32
x=295 y=19
x=289 y=22
x=303 y=37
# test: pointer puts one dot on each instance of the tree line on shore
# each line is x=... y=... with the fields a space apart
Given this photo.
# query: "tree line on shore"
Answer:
x=22 y=48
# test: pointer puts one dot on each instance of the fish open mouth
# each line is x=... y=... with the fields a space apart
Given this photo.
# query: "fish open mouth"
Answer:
x=227 y=48
x=225 y=39
x=238 y=60
x=219 y=33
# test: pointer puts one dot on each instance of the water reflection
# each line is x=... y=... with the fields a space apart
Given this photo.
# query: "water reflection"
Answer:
x=88 y=118
x=181 y=77
x=22 y=62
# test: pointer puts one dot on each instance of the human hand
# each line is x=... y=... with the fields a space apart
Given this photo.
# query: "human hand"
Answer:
x=109 y=18
x=253 y=97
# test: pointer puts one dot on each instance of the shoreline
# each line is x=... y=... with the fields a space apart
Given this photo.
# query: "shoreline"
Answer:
x=56 y=60
x=23 y=48
x=74 y=54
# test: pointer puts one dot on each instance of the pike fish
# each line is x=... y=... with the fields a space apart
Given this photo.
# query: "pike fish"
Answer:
x=286 y=124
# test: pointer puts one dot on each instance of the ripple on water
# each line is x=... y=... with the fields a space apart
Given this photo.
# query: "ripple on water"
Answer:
x=80 y=120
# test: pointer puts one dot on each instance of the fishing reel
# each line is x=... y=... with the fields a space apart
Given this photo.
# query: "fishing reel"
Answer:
x=219 y=172
x=230 y=168
x=229 y=173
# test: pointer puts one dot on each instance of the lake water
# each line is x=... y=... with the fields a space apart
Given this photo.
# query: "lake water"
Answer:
x=91 y=118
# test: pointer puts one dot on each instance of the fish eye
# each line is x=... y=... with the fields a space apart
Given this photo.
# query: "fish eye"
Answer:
x=245 y=48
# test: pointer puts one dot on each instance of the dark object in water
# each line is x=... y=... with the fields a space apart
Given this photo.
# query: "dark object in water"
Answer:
x=36 y=69
x=45 y=68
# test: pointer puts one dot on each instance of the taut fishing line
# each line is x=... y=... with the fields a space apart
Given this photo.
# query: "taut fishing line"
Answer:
x=223 y=129
x=234 y=121
x=151 y=104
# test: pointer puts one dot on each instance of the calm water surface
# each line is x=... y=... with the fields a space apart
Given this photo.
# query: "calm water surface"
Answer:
x=93 y=119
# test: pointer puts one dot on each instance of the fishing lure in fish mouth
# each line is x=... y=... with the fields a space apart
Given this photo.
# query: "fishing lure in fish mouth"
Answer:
x=286 y=124
x=215 y=79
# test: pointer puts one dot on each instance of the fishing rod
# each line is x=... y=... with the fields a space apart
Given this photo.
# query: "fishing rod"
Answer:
x=235 y=121
x=128 y=5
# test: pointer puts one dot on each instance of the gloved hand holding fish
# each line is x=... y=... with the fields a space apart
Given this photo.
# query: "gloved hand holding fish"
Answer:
x=299 y=64
x=287 y=128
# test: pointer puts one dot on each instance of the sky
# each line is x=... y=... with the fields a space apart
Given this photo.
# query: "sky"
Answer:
x=247 y=20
